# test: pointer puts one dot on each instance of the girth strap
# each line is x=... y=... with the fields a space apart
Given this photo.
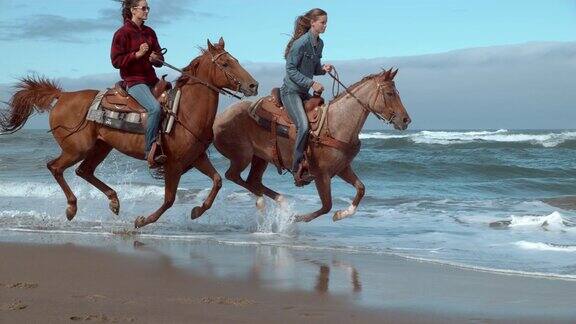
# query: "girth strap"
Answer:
x=276 y=153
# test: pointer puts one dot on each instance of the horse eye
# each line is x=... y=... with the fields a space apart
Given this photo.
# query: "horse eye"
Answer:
x=225 y=64
x=391 y=94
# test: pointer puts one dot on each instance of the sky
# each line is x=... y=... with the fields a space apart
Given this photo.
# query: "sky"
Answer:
x=70 y=40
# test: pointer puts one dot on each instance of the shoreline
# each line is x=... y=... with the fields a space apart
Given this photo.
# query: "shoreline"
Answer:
x=276 y=283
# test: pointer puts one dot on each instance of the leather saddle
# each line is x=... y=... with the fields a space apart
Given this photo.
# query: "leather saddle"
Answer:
x=117 y=98
x=272 y=109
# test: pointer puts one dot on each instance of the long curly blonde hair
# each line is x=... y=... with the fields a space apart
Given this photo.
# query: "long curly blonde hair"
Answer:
x=303 y=24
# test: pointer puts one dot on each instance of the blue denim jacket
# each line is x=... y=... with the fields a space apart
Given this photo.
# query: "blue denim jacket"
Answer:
x=302 y=63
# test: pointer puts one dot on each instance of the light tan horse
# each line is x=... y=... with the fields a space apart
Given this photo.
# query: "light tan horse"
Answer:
x=240 y=139
x=86 y=141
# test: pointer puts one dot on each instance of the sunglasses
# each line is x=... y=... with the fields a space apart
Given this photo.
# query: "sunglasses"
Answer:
x=143 y=8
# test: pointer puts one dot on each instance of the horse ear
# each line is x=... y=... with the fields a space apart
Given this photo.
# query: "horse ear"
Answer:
x=393 y=74
x=221 y=42
x=210 y=46
x=387 y=75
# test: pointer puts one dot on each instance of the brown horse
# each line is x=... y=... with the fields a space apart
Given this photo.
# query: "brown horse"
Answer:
x=86 y=141
x=240 y=139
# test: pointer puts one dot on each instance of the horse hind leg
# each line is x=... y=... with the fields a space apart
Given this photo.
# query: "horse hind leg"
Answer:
x=234 y=173
x=205 y=166
x=86 y=171
x=254 y=180
x=57 y=167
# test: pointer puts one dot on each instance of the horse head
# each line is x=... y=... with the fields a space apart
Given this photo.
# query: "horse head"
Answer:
x=229 y=73
x=388 y=103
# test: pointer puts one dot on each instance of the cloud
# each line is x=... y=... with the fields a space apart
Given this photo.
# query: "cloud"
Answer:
x=76 y=30
x=516 y=87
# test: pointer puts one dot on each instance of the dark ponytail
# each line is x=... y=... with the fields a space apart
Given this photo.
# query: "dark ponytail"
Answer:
x=126 y=6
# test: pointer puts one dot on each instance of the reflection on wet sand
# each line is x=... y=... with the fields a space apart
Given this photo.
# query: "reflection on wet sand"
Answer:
x=323 y=277
x=269 y=266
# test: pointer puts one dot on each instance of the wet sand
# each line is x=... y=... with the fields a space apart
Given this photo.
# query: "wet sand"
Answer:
x=55 y=284
x=151 y=281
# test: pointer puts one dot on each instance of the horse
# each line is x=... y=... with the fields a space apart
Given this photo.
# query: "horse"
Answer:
x=239 y=138
x=185 y=146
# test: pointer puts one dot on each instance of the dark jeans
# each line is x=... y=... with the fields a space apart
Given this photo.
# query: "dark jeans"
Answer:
x=294 y=106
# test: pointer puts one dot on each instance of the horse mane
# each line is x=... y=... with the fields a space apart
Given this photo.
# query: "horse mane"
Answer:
x=355 y=85
x=192 y=68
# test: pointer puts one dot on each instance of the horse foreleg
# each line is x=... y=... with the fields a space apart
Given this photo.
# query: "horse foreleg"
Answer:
x=205 y=166
x=86 y=171
x=349 y=176
x=324 y=190
x=57 y=167
x=172 y=178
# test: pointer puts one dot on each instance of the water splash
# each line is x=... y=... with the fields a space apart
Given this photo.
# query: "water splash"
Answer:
x=277 y=217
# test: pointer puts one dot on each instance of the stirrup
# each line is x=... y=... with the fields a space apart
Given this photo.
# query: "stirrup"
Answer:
x=155 y=161
x=303 y=177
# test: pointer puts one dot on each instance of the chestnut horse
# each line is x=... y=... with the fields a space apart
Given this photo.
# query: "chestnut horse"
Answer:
x=240 y=139
x=86 y=141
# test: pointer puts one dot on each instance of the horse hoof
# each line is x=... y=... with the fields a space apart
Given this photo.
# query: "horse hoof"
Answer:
x=338 y=216
x=260 y=204
x=140 y=222
x=196 y=212
x=114 y=206
x=71 y=212
x=302 y=218
x=341 y=214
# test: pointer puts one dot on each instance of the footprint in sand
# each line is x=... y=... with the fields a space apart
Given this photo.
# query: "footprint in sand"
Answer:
x=92 y=298
x=14 y=306
x=102 y=319
x=226 y=301
x=22 y=285
x=215 y=300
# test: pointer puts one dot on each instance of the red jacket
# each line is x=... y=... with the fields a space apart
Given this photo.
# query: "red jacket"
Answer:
x=125 y=44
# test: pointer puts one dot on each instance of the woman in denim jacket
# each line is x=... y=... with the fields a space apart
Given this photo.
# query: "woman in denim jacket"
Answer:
x=303 y=54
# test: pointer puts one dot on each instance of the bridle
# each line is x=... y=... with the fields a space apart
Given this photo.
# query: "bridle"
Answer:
x=229 y=76
x=368 y=108
x=208 y=85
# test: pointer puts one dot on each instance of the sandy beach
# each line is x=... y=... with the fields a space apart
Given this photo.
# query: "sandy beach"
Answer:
x=55 y=284
x=141 y=281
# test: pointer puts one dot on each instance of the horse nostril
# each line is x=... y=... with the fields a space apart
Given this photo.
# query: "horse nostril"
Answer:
x=407 y=120
x=253 y=85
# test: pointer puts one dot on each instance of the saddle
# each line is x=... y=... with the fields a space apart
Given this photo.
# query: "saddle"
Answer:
x=270 y=114
x=117 y=98
x=272 y=109
x=117 y=109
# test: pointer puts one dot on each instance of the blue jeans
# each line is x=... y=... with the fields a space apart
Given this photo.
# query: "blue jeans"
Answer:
x=294 y=106
x=142 y=94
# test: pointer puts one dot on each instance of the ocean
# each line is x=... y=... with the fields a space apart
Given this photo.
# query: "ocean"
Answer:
x=474 y=199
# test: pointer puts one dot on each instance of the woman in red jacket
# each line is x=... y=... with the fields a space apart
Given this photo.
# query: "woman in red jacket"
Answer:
x=135 y=50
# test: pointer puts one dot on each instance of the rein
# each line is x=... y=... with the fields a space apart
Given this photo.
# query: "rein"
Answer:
x=365 y=106
x=211 y=87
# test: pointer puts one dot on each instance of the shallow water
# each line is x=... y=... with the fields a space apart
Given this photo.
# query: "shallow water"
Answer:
x=470 y=198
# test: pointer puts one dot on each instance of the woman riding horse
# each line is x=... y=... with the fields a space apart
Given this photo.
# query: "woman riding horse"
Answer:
x=303 y=54
x=135 y=50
